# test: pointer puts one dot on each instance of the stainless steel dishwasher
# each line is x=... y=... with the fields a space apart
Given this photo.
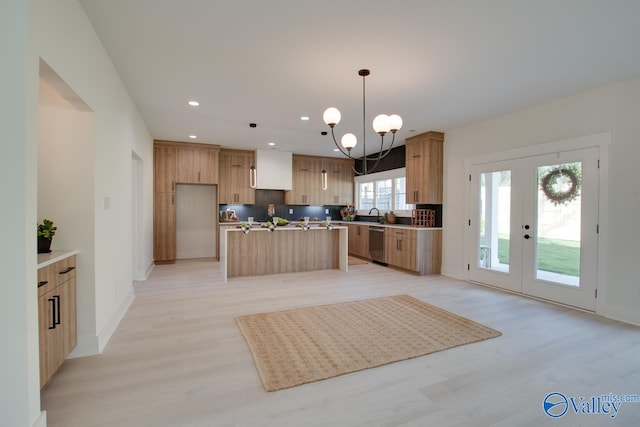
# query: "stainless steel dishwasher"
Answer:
x=376 y=244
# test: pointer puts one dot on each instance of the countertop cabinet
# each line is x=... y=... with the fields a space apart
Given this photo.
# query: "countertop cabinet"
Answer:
x=413 y=250
x=401 y=248
x=57 y=317
x=424 y=168
x=235 y=177
x=358 y=240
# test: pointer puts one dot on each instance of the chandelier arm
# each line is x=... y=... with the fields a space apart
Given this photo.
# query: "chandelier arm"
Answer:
x=386 y=153
x=380 y=156
x=355 y=171
x=333 y=136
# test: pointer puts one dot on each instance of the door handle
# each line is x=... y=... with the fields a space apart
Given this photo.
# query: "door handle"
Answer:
x=526 y=236
x=57 y=312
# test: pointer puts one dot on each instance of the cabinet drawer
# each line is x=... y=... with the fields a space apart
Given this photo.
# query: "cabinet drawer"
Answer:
x=47 y=279
x=65 y=269
x=53 y=275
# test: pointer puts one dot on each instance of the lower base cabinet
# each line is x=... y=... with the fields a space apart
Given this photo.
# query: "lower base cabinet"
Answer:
x=358 y=240
x=419 y=251
x=57 y=316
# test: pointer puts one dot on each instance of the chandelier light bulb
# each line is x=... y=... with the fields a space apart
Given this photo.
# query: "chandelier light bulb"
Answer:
x=331 y=116
x=395 y=122
x=349 y=141
x=382 y=124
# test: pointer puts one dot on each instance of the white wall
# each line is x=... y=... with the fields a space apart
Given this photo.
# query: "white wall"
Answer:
x=19 y=375
x=60 y=33
x=614 y=108
x=67 y=42
x=66 y=191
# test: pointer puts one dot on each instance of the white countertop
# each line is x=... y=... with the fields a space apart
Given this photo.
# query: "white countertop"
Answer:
x=55 y=256
x=377 y=224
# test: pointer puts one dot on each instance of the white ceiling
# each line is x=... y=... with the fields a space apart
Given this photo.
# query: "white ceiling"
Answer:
x=439 y=64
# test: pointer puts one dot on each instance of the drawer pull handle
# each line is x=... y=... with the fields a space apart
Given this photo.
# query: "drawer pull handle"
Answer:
x=41 y=284
x=67 y=270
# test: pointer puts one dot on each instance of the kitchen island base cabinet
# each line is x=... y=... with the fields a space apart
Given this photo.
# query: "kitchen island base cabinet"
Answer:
x=287 y=250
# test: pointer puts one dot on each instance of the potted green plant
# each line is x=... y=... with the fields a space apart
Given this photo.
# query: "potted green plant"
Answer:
x=46 y=231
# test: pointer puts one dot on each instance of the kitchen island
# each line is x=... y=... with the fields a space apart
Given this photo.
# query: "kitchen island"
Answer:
x=286 y=249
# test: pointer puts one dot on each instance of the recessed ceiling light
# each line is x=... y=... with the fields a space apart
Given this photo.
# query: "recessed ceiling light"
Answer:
x=271 y=143
x=305 y=118
x=194 y=103
x=192 y=136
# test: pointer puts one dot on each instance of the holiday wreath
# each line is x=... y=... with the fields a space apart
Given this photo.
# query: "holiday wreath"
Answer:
x=551 y=184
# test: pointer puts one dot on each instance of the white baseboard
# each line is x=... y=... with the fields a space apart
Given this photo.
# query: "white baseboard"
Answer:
x=41 y=421
x=621 y=314
x=455 y=273
x=90 y=345
x=87 y=346
x=112 y=324
x=149 y=269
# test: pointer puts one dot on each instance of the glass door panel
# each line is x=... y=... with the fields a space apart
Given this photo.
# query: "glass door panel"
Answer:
x=559 y=223
x=494 y=221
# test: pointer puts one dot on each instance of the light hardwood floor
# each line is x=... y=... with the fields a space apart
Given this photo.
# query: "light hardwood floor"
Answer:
x=178 y=359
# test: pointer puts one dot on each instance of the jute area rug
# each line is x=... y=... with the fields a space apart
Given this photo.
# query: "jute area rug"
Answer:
x=299 y=346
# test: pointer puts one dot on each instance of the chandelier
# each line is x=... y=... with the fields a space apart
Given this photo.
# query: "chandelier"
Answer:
x=382 y=125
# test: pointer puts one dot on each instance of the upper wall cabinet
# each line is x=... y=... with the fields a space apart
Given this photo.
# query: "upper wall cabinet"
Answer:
x=424 y=163
x=235 y=177
x=339 y=189
x=308 y=182
x=184 y=163
x=197 y=165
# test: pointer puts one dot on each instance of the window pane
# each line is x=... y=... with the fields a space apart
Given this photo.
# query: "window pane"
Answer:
x=383 y=194
x=400 y=195
x=366 y=195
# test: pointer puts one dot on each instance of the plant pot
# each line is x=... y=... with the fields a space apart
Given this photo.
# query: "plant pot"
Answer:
x=44 y=245
x=391 y=218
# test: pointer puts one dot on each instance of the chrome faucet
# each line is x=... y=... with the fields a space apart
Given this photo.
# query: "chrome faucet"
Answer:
x=371 y=210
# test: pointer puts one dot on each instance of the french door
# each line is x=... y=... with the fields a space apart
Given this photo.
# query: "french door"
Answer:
x=534 y=226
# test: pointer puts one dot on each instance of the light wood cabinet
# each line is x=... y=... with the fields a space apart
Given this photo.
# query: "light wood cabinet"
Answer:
x=339 y=182
x=197 y=165
x=235 y=177
x=307 y=181
x=177 y=163
x=164 y=169
x=413 y=250
x=400 y=248
x=358 y=240
x=164 y=227
x=424 y=168
x=57 y=318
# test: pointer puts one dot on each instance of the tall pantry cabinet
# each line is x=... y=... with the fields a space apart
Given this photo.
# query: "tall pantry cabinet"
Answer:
x=177 y=163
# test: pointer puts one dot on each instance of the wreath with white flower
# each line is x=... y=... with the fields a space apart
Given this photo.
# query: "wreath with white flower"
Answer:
x=561 y=185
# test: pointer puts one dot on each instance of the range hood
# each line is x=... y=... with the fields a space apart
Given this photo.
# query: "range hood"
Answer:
x=273 y=170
